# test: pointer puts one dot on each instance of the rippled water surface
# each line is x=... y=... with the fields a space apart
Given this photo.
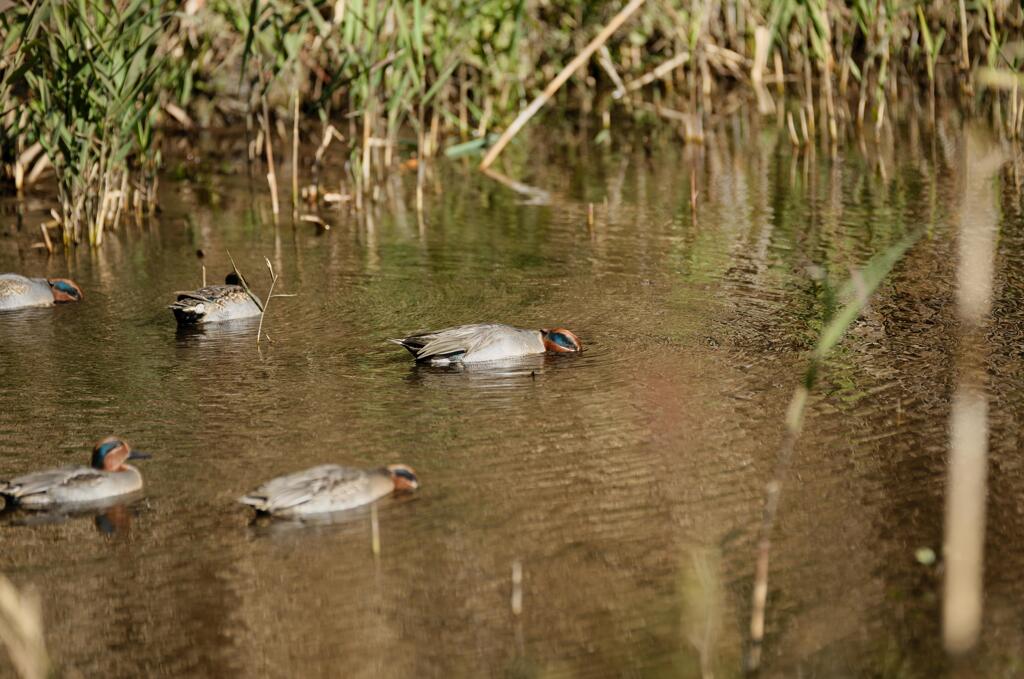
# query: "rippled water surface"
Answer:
x=628 y=481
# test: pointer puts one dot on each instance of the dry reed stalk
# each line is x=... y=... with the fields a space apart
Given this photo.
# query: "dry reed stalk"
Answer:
x=367 y=134
x=793 y=137
x=295 y=148
x=860 y=286
x=658 y=72
x=46 y=238
x=420 y=170
x=762 y=44
x=271 y=174
x=485 y=119
x=435 y=134
x=604 y=58
x=33 y=153
x=269 y=141
x=374 y=531
x=21 y=631
x=270 y=295
x=780 y=76
x=560 y=80
x=517 y=588
x=693 y=193
x=41 y=165
x=122 y=198
x=965 y=55
x=969 y=431
x=534 y=195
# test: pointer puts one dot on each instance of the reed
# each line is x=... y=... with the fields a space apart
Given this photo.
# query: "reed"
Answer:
x=21 y=631
x=89 y=77
x=856 y=292
x=88 y=87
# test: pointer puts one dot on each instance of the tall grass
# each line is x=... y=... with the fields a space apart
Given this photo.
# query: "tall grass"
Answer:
x=94 y=82
x=89 y=78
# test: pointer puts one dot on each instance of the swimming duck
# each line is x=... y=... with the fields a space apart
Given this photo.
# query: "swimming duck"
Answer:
x=108 y=476
x=486 y=342
x=216 y=303
x=17 y=291
x=328 y=488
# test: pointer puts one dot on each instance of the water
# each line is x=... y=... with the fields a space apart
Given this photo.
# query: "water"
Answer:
x=628 y=481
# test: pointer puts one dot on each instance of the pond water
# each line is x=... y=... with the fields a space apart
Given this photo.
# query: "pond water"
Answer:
x=627 y=482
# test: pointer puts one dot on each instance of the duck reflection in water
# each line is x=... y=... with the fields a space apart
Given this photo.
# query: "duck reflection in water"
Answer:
x=213 y=334
x=503 y=374
x=111 y=517
x=55 y=495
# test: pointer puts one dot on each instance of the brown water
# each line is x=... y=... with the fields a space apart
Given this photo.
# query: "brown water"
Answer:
x=628 y=482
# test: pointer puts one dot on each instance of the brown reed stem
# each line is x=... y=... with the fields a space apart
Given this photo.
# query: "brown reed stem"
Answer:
x=559 y=80
x=295 y=148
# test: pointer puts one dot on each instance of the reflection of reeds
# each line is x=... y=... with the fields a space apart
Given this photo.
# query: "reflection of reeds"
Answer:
x=21 y=631
x=857 y=291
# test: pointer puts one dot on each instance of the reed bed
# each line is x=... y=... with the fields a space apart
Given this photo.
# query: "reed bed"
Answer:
x=90 y=88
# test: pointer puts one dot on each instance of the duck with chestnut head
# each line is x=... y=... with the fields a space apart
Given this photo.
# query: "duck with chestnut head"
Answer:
x=19 y=292
x=482 y=342
x=328 y=488
x=216 y=303
x=106 y=477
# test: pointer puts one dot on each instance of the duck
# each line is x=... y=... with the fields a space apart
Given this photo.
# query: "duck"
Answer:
x=106 y=477
x=216 y=303
x=328 y=488
x=481 y=342
x=19 y=292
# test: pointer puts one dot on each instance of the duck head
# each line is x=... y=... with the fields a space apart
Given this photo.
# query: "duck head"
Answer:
x=65 y=290
x=561 y=341
x=111 y=454
x=403 y=477
x=233 y=278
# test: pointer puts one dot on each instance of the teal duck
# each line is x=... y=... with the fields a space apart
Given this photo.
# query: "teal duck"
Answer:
x=486 y=342
x=18 y=292
x=107 y=476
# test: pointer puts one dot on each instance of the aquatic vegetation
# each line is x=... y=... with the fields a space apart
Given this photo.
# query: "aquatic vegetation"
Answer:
x=88 y=76
x=88 y=87
x=857 y=291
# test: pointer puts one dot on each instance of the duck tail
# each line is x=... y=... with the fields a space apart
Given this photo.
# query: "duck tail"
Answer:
x=8 y=495
x=413 y=344
x=187 y=310
x=257 y=502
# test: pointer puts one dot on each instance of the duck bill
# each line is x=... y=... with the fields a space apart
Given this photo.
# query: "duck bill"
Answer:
x=139 y=455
